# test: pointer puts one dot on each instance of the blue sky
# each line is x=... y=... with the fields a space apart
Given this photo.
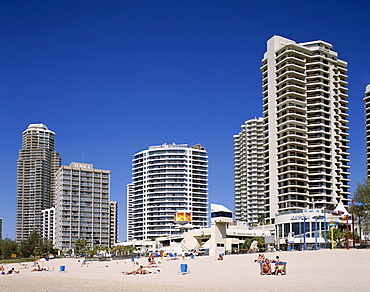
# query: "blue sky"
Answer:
x=112 y=78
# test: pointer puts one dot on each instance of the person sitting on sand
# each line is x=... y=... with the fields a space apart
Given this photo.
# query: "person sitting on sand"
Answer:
x=280 y=269
x=266 y=267
x=220 y=257
x=151 y=259
x=38 y=269
x=260 y=259
x=276 y=260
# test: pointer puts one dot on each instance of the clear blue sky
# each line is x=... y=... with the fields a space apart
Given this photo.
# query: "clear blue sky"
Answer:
x=112 y=78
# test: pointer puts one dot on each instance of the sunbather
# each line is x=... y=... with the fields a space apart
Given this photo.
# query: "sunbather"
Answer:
x=139 y=271
x=280 y=269
x=12 y=271
x=38 y=269
x=266 y=267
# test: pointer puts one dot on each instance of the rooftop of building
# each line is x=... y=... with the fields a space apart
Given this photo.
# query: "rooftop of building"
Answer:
x=173 y=145
x=38 y=126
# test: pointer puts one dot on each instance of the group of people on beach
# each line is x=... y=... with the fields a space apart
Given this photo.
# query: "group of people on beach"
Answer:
x=266 y=268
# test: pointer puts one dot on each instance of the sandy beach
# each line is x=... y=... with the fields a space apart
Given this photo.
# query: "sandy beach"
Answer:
x=324 y=270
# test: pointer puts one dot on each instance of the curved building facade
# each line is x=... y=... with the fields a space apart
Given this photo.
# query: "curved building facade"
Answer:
x=167 y=179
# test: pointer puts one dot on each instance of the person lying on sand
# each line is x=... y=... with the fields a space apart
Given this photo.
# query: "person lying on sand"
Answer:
x=12 y=271
x=149 y=266
x=173 y=259
x=139 y=271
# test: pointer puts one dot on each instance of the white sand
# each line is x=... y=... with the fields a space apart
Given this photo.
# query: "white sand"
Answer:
x=324 y=270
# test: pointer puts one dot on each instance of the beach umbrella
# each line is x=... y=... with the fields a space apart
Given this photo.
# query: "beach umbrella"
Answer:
x=42 y=261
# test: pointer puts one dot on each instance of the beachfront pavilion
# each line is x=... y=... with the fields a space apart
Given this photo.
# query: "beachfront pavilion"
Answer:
x=308 y=228
x=223 y=236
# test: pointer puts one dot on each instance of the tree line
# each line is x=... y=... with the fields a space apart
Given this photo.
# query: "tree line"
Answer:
x=34 y=245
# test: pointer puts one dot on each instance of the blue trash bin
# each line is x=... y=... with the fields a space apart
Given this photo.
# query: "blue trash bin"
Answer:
x=62 y=268
x=289 y=248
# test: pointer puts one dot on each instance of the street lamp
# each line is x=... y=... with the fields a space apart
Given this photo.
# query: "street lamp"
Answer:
x=325 y=227
x=304 y=232
x=316 y=233
x=304 y=228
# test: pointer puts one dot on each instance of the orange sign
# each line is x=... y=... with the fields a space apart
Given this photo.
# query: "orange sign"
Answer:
x=182 y=217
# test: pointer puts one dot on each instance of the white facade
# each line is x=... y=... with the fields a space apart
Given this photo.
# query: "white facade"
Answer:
x=82 y=206
x=305 y=118
x=36 y=167
x=249 y=197
x=367 y=125
x=48 y=223
x=130 y=211
x=167 y=179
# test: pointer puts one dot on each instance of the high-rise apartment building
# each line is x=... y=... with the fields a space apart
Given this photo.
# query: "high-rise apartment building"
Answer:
x=130 y=211
x=367 y=125
x=167 y=179
x=113 y=223
x=249 y=197
x=82 y=206
x=305 y=120
x=48 y=223
x=36 y=167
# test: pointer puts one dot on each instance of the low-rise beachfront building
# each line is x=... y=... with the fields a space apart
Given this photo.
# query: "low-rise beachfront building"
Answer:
x=309 y=228
x=223 y=236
